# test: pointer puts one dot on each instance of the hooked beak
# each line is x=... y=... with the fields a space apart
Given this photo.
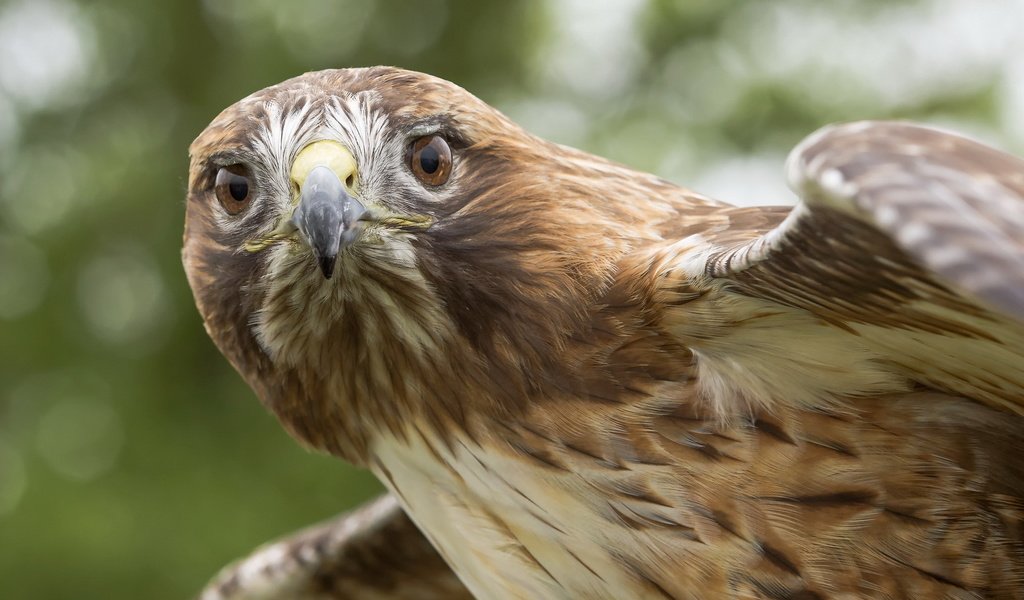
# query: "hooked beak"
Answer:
x=327 y=214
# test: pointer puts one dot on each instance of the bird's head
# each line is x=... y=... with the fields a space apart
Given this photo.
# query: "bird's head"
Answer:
x=381 y=236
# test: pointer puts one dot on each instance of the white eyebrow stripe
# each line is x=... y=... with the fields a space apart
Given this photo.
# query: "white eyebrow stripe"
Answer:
x=275 y=141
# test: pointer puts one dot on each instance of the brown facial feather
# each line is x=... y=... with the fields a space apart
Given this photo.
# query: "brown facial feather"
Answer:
x=575 y=343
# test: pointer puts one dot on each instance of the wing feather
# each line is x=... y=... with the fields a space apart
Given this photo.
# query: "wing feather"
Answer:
x=373 y=553
x=908 y=244
x=952 y=205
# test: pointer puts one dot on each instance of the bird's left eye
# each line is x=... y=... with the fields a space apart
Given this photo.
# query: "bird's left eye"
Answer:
x=233 y=188
x=431 y=160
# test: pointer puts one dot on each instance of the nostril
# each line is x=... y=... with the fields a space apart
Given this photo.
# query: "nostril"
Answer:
x=350 y=180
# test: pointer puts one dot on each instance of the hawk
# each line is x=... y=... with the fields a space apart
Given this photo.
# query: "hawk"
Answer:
x=577 y=380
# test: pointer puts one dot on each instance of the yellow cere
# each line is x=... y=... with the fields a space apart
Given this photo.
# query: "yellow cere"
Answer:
x=327 y=153
x=336 y=157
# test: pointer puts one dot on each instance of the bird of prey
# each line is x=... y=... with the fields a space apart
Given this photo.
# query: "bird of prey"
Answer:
x=577 y=380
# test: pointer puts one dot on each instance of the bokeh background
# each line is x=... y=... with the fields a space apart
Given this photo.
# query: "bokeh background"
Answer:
x=133 y=461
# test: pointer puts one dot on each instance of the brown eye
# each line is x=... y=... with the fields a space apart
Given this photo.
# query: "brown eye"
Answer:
x=233 y=188
x=431 y=160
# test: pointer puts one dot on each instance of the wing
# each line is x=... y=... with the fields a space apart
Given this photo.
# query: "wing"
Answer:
x=902 y=266
x=953 y=206
x=373 y=553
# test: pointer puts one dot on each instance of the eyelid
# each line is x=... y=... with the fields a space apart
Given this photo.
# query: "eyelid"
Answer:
x=219 y=160
x=425 y=129
x=438 y=126
x=226 y=158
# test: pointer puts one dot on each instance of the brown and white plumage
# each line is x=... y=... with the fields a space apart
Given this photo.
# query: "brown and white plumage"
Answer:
x=583 y=381
x=373 y=553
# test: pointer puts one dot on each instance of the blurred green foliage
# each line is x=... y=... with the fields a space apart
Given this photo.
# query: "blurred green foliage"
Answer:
x=133 y=461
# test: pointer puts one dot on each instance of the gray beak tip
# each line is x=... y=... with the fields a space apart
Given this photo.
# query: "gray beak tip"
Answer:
x=327 y=216
x=327 y=265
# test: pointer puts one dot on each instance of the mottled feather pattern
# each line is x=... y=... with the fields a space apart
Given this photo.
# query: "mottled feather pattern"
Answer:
x=582 y=381
x=952 y=204
x=802 y=502
x=374 y=553
x=833 y=258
